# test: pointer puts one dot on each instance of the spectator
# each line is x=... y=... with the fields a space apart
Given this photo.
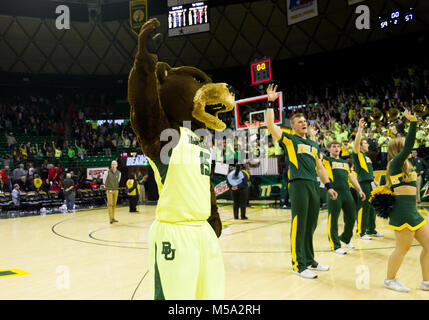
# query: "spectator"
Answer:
x=94 y=184
x=17 y=173
x=134 y=143
x=55 y=186
x=46 y=185
x=52 y=173
x=237 y=182
x=24 y=184
x=420 y=166
x=11 y=141
x=133 y=192
x=69 y=192
x=31 y=170
x=44 y=171
x=71 y=152
x=15 y=195
x=126 y=140
x=81 y=152
x=37 y=182
x=5 y=177
x=108 y=146
x=6 y=160
x=141 y=179
x=383 y=142
x=57 y=151
x=373 y=147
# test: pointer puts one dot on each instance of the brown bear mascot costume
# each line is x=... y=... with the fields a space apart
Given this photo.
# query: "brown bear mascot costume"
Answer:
x=167 y=106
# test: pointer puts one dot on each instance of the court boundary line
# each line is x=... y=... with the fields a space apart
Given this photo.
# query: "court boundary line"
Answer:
x=88 y=242
x=138 y=285
x=227 y=235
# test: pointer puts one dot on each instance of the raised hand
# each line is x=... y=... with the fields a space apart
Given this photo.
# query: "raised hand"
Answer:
x=143 y=53
x=362 y=123
x=312 y=132
x=411 y=117
x=271 y=92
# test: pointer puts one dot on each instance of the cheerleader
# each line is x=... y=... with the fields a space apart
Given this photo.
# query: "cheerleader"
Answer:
x=404 y=218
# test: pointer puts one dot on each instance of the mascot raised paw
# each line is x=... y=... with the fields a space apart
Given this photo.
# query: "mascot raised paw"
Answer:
x=169 y=106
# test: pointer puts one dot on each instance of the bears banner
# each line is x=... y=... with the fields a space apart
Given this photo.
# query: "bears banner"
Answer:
x=300 y=10
x=138 y=14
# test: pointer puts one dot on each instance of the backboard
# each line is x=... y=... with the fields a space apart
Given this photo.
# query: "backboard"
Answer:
x=254 y=108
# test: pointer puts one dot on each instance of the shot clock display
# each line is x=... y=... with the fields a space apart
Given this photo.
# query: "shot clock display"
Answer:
x=261 y=71
x=396 y=17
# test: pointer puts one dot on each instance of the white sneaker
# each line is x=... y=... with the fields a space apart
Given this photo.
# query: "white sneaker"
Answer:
x=306 y=274
x=424 y=285
x=319 y=267
x=365 y=237
x=350 y=245
x=378 y=235
x=395 y=285
x=340 y=251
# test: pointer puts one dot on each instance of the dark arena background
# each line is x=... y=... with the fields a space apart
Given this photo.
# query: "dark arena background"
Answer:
x=64 y=68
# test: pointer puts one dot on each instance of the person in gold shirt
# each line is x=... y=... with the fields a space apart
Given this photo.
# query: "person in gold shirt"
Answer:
x=345 y=150
x=133 y=192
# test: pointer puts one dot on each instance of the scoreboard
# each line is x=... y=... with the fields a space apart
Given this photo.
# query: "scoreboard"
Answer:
x=261 y=71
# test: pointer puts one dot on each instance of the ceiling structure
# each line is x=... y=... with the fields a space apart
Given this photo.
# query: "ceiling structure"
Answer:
x=239 y=33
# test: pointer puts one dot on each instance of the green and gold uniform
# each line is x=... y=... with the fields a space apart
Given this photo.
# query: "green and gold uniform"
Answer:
x=404 y=213
x=185 y=256
x=419 y=165
x=366 y=213
x=338 y=172
x=133 y=192
x=304 y=196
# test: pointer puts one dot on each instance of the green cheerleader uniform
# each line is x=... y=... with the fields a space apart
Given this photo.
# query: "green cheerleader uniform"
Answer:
x=404 y=213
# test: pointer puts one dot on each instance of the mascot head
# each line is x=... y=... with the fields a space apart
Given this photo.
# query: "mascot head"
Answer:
x=189 y=94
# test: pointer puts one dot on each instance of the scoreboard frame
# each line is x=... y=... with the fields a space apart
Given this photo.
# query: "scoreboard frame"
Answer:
x=260 y=67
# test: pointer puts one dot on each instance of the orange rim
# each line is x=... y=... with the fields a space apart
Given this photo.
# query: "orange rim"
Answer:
x=254 y=123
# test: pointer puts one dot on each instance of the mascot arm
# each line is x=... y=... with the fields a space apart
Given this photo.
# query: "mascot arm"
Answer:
x=148 y=119
x=214 y=218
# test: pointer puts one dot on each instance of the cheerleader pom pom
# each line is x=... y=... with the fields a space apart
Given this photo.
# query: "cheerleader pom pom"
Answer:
x=382 y=199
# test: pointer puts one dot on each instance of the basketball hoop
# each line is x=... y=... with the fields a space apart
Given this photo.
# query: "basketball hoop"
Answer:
x=253 y=126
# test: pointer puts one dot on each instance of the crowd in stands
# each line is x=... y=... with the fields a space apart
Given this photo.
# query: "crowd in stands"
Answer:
x=37 y=128
x=50 y=176
x=333 y=108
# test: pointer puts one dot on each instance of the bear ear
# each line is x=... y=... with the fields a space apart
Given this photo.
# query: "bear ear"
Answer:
x=162 y=69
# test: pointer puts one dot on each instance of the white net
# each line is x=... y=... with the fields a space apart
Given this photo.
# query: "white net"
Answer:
x=253 y=127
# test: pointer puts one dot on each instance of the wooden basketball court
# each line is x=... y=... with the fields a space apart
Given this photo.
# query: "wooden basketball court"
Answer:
x=82 y=256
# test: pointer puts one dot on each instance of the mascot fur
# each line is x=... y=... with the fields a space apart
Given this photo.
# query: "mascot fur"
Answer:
x=163 y=97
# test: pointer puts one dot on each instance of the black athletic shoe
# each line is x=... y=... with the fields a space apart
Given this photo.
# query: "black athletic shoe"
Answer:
x=244 y=218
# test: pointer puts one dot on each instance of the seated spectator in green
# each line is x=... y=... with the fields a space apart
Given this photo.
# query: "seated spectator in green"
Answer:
x=81 y=152
x=57 y=152
x=70 y=152
x=39 y=153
